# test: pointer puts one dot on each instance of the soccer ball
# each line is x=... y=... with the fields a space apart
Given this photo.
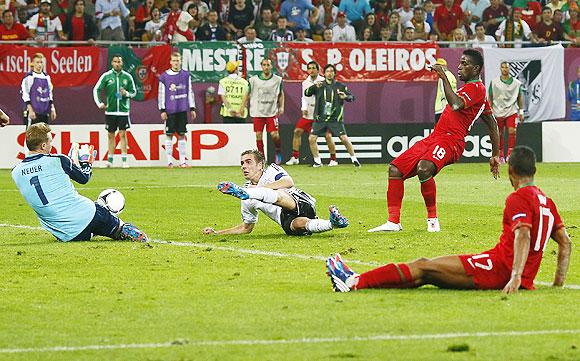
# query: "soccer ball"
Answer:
x=113 y=200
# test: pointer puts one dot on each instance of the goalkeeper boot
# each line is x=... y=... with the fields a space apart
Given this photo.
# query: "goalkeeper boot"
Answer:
x=233 y=190
x=336 y=218
x=131 y=233
x=341 y=276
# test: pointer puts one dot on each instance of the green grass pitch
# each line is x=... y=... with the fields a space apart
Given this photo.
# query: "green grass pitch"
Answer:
x=211 y=298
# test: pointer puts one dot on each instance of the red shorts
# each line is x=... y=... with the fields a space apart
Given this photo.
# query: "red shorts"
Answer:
x=510 y=122
x=487 y=270
x=441 y=150
x=305 y=124
x=271 y=124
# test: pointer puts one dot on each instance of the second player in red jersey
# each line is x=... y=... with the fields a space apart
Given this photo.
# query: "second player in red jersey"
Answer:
x=445 y=145
x=530 y=219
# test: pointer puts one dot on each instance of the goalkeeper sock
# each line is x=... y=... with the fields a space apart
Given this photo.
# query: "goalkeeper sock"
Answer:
x=333 y=156
x=318 y=225
x=182 y=146
x=296 y=154
x=395 y=193
x=169 y=150
x=429 y=192
x=389 y=276
x=260 y=145
x=265 y=195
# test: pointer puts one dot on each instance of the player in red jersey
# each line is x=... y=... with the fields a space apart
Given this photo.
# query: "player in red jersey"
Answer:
x=445 y=145
x=530 y=218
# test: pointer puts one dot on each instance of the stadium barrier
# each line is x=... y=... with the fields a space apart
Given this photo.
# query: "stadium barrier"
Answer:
x=208 y=144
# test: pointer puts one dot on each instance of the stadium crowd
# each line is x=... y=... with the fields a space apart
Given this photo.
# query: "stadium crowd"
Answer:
x=461 y=22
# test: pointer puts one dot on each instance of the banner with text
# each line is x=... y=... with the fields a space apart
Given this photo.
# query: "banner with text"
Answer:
x=67 y=67
x=146 y=70
x=354 y=61
x=208 y=144
x=541 y=71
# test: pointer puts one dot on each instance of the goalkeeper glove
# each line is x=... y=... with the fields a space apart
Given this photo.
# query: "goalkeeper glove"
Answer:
x=87 y=154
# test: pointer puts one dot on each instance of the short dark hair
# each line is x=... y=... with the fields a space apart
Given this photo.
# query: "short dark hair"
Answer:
x=6 y=11
x=479 y=24
x=523 y=161
x=282 y=18
x=258 y=156
x=546 y=8
x=330 y=66
x=313 y=63
x=475 y=56
x=267 y=8
x=116 y=56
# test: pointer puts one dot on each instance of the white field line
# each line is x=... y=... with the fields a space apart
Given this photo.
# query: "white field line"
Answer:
x=260 y=252
x=371 y=338
x=152 y=186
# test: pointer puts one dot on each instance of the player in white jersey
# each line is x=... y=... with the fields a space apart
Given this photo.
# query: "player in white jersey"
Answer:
x=305 y=123
x=272 y=191
x=506 y=98
x=266 y=104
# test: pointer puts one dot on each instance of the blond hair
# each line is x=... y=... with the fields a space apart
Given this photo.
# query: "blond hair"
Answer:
x=36 y=134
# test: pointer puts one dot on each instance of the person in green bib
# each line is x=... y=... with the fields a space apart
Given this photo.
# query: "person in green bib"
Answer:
x=233 y=90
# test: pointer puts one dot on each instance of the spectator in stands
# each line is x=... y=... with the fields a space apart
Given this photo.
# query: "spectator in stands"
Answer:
x=447 y=18
x=493 y=16
x=532 y=13
x=482 y=40
x=458 y=38
x=355 y=11
x=405 y=12
x=574 y=96
x=343 y=31
x=327 y=35
x=327 y=12
x=282 y=33
x=422 y=28
x=429 y=10
x=301 y=36
x=80 y=26
x=241 y=16
x=385 y=34
x=395 y=26
x=142 y=16
x=555 y=5
x=547 y=30
x=298 y=13
x=212 y=30
x=153 y=26
x=366 y=34
x=59 y=8
x=265 y=26
x=382 y=13
x=473 y=11
x=572 y=26
x=567 y=6
x=514 y=29
x=45 y=27
x=558 y=16
x=178 y=24
x=202 y=7
x=258 y=6
x=409 y=34
x=371 y=22
x=32 y=8
x=433 y=37
x=22 y=15
x=194 y=12
x=10 y=30
x=223 y=8
x=109 y=14
x=250 y=36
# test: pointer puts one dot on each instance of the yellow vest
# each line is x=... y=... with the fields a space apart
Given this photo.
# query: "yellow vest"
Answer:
x=440 y=100
x=235 y=89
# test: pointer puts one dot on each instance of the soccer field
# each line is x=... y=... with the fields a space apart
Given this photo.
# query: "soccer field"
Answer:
x=265 y=296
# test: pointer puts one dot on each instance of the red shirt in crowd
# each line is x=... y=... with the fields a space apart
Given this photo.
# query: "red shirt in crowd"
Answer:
x=447 y=20
x=16 y=32
x=78 y=28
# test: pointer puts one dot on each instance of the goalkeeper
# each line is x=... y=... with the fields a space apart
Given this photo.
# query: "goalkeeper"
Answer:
x=44 y=180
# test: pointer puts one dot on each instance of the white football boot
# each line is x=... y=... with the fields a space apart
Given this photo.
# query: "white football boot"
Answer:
x=332 y=163
x=387 y=227
x=293 y=161
x=433 y=225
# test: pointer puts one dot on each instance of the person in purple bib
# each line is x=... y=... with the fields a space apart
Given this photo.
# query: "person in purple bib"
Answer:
x=36 y=90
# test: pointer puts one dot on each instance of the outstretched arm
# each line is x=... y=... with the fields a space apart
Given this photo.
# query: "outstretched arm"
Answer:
x=239 y=229
x=453 y=99
x=564 y=251
x=282 y=183
x=521 y=250
x=491 y=124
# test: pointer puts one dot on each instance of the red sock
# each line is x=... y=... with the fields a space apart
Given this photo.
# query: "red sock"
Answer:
x=429 y=192
x=277 y=144
x=395 y=193
x=260 y=145
x=296 y=154
x=333 y=156
x=511 y=142
x=389 y=276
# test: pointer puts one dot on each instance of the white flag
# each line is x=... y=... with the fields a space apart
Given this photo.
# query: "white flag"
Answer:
x=541 y=71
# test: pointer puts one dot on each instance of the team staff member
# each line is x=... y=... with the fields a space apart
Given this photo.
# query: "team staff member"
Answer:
x=176 y=98
x=233 y=90
x=506 y=98
x=36 y=90
x=574 y=97
x=330 y=96
x=119 y=88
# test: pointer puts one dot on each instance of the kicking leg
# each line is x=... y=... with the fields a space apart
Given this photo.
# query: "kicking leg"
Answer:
x=426 y=170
